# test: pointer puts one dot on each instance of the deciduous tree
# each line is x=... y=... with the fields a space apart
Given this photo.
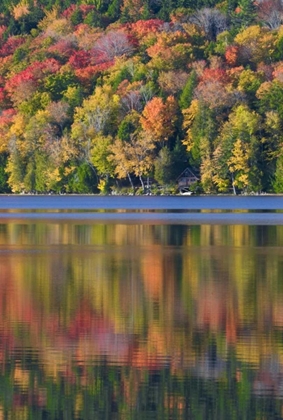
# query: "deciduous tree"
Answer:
x=271 y=13
x=112 y=44
x=100 y=156
x=237 y=156
x=211 y=21
x=171 y=51
x=133 y=157
x=172 y=82
x=256 y=44
x=133 y=10
x=159 y=117
x=239 y=165
x=143 y=28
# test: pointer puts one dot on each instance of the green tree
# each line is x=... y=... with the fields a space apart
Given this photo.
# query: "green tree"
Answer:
x=100 y=158
x=166 y=7
x=278 y=176
x=4 y=187
x=15 y=169
x=128 y=126
x=163 y=166
x=83 y=179
x=270 y=95
x=188 y=91
x=245 y=14
x=77 y=17
x=114 y=9
x=58 y=83
x=237 y=157
x=272 y=141
x=199 y=124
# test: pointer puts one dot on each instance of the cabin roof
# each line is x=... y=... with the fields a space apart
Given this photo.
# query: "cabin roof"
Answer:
x=187 y=173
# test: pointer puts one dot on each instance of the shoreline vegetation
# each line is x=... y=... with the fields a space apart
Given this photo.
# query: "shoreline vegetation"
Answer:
x=99 y=97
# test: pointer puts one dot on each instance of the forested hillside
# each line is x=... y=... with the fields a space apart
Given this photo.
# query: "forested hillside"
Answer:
x=102 y=94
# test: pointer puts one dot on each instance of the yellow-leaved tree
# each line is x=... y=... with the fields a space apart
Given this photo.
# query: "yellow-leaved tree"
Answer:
x=238 y=164
x=236 y=156
x=95 y=118
x=256 y=44
x=133 y=157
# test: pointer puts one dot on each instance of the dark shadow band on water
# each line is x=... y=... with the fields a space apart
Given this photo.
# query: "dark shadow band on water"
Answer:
x=147 y=218
x=81 y=202
x=252 y=210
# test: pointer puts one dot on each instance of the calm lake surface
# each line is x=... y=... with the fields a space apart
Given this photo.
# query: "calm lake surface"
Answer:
x=141 y=307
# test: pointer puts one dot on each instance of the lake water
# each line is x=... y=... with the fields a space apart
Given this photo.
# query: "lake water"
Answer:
x=141 y=307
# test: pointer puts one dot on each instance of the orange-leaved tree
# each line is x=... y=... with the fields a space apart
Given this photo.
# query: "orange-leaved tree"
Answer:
x=159 y=117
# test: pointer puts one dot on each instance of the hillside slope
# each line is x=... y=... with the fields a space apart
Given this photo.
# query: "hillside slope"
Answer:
x=99 y=95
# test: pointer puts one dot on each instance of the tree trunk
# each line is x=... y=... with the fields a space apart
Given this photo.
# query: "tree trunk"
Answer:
x=94 y=171
x=131 y=182
x=233 y=185
x=142 y=183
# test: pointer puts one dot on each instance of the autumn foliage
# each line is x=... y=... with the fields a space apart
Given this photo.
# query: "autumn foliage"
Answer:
x=158 y=118
x=149 y=79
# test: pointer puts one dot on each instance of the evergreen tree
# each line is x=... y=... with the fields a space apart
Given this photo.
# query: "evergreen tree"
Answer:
x=16 y=170
x=84 y=180
x=126 y=129
x=29 y=179
x=114 y=9
x=278 y=181
x=77 y=17
x=231 y=6
x=244 y=15
x=4 y=188
x=180 y=159
x=165 y=9
x=163 y=167
x=188 y=91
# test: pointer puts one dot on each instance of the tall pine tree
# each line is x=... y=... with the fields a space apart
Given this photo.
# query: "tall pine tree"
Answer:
x=244 y=15
x=188 y=91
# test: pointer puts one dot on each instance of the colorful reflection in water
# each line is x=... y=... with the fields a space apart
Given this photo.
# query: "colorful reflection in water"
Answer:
x=140 y=321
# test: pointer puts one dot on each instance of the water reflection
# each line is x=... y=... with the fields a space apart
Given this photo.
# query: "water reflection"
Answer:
x=140 y=321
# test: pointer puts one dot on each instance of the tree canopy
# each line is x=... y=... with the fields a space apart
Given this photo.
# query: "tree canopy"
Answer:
x=96 y=95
